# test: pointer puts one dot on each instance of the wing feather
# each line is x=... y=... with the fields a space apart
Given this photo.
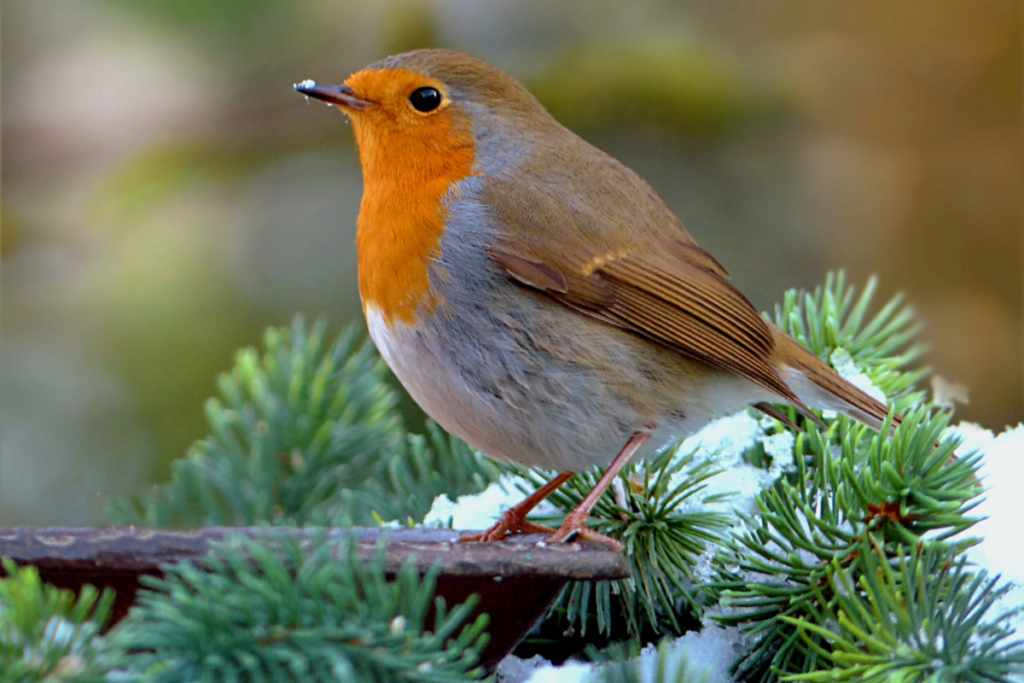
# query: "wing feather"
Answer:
x=663 y=298
x=657 y=282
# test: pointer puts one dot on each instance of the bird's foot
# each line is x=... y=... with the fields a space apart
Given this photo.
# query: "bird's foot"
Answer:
x=575 y=527
x=512 y=522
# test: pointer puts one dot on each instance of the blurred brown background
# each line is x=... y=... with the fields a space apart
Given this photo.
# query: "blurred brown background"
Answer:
x=166 y=195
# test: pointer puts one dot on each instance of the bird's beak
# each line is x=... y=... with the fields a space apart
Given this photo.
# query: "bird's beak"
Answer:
x=340 y=95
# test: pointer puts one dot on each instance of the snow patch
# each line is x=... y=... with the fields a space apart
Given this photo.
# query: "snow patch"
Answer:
x=515 y=670
x=724 y=442
x=1001 y=471
x=725 y=439
x=973 y=437
x=570 y=672
x=481 y=510
x=779 y=448
x=699 y=656
x=844 y=364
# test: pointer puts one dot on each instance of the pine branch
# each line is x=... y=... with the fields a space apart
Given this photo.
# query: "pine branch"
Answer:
x=917 y=619
x=904 y=490
x=663 y=535
x=257 y=612
x=47 y=634
x=292 y=431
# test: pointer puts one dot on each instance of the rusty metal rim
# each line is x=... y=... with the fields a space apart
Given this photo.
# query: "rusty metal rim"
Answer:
x=516 y=579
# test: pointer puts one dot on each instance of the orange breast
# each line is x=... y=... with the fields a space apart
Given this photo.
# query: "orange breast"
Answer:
x=407 y=172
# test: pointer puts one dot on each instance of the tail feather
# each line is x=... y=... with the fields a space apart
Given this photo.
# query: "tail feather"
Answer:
x=819 y=386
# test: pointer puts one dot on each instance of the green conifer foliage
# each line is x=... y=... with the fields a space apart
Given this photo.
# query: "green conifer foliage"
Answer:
x=277 y=612
x=49 y=634
x=904 y=490
x=926 y=617
x=662 y=535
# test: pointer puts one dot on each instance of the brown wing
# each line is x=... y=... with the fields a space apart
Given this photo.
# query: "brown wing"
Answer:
x=593 y=235
x=671 y=292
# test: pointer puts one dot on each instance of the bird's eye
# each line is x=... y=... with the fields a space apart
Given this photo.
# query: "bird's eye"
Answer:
x=425 y=99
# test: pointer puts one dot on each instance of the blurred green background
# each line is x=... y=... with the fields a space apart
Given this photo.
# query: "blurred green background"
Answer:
x=166 y=195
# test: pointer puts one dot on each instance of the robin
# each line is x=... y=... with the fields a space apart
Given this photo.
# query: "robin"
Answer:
x=535 y=296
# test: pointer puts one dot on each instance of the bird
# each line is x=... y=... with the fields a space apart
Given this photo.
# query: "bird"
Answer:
x=536 y=297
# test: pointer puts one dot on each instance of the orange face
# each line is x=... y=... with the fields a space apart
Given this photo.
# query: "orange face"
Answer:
x=414 y=146
x=390 y=92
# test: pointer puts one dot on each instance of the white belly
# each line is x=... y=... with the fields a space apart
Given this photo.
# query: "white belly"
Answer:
x=489 y=391
x=425 y=370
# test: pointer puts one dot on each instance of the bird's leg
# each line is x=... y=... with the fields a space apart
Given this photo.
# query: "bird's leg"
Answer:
x=514 y=519
x=575 y=524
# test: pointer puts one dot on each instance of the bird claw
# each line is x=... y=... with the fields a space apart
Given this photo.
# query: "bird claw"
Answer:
x=573 y=529
x=510 y=523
